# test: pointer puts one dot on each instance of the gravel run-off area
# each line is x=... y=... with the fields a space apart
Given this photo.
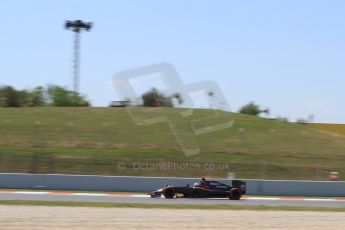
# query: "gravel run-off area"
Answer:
x=50 y=217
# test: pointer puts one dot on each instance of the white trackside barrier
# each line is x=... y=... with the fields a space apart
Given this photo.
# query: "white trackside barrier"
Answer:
x=147 y=184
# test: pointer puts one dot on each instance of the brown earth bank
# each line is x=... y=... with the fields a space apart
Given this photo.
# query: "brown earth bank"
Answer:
x=49 y=217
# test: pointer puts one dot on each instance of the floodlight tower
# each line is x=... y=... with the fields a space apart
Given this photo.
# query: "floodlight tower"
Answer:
x=77 y=26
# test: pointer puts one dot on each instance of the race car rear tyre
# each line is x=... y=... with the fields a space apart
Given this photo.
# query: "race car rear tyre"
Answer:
x=169 y=193
x=235 y=194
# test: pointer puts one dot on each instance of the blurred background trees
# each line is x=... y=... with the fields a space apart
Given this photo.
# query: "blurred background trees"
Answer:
x=253 y=109
x=52 y=95
x=154 y=98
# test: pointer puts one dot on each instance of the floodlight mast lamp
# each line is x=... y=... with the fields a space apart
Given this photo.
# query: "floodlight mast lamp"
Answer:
x=77 y=26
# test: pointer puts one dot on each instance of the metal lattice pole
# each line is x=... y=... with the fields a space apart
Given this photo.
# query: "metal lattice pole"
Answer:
x=76 y=27
x=76 y=62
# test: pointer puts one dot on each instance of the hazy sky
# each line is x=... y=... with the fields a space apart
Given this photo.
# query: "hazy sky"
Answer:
x=286 y=55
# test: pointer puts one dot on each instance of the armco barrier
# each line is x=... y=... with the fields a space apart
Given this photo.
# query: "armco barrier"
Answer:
x=146 y=184
x=86 y=182
x=295 y=188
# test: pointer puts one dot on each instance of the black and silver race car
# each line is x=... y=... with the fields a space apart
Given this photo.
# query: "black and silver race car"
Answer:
x=204 y=189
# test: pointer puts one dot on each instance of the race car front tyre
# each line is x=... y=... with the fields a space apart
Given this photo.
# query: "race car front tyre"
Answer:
x=235 y=194
x=169 y=193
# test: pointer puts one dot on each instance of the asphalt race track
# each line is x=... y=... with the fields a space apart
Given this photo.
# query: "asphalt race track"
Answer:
x=130 y=198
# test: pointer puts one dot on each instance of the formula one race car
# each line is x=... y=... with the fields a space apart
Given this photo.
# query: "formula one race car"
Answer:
x=204 y=189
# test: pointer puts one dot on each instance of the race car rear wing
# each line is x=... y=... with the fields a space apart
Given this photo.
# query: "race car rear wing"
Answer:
x=240 y=184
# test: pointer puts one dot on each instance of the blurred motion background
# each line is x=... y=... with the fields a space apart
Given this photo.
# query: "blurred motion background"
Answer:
x=94 y=140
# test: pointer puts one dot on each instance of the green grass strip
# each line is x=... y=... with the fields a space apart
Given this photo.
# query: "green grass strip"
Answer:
x=169 y=206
